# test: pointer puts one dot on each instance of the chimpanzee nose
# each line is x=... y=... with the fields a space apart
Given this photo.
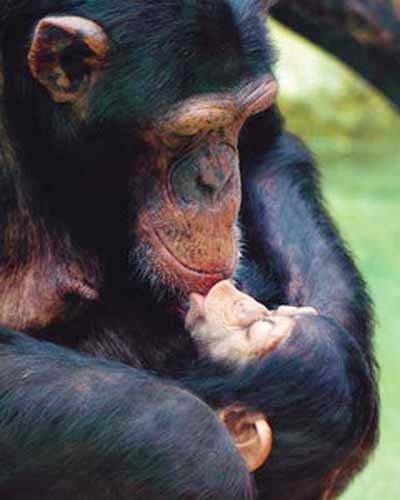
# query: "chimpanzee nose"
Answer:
x=214 y=170
x=202 y=178
x=210 y=180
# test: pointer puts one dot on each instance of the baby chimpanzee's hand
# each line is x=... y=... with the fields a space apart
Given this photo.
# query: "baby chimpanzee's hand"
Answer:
x=230 y=326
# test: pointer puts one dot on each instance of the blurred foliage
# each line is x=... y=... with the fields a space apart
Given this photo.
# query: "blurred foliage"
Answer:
x=356 y=136
x=324 y=99
x=363 y=196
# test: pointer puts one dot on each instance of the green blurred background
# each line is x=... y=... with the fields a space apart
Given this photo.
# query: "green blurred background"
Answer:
x=356 y=136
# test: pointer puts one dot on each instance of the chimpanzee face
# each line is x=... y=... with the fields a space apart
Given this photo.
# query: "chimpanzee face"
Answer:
x=188 y=220
x=184 y=91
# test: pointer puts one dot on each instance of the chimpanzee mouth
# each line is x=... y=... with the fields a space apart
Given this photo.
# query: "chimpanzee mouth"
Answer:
x=206 y=278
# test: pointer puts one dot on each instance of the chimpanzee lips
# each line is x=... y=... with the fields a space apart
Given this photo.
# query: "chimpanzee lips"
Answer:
x=195 y=280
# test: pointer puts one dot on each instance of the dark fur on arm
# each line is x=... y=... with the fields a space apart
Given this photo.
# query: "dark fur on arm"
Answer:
x=77 y=427
x=286 y=222
x=284 y=211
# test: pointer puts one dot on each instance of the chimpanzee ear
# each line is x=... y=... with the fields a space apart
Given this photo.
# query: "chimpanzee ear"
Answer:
x=66 y=55
x=251 y=434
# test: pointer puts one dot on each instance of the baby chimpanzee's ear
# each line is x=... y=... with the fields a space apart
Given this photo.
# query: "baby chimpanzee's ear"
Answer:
x=251 y=433
x=65 y=55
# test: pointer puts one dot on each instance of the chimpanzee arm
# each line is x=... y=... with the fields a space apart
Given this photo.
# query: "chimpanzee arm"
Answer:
x=78 y=427
x=294 y=238
x=286 y=223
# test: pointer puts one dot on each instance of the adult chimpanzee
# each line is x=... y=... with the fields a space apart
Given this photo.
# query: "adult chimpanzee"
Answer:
x=122 y=124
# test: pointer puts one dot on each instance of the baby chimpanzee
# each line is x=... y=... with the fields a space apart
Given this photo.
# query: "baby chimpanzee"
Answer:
x=232 y=327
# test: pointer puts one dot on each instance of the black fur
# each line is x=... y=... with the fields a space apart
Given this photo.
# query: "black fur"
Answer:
x=121 y=418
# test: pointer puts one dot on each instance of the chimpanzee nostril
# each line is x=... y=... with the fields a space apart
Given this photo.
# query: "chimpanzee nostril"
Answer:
x=205 y=187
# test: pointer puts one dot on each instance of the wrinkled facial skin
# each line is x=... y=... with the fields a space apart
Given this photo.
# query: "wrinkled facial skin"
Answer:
x=187 y=223
x=188 y=184
x=225 y=309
